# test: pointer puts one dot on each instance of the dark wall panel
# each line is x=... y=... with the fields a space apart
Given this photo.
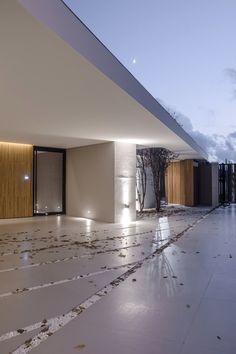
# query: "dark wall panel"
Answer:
x=205 y=184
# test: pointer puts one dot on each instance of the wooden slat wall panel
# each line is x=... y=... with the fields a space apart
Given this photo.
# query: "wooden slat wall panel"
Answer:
x=176 y=181
x=16 y=161
x=188 y=182
x=180 y=183
x=169 y=184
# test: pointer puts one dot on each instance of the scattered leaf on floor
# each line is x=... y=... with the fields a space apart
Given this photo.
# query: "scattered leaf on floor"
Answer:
x=20 y=330
x=28 y=342
x=80 y=346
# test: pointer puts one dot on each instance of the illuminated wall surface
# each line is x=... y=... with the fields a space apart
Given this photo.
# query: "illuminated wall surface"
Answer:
x=125 y=182
x=90 y=182
x=16 y=162
x=101 y=182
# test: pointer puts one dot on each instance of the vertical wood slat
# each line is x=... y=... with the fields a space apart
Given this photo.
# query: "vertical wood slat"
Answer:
x=16 y=161
x=180 y=183
x=188 y=180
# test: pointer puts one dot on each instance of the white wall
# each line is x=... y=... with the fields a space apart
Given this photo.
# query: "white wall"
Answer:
x=90 y=182
x=100 y=181
x=150 y=201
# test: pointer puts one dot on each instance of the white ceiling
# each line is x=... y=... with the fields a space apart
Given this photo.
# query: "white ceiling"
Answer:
x=50 y=95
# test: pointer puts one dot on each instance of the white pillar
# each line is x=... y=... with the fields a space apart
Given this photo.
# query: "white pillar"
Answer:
x=125 y=182
x=100 y=182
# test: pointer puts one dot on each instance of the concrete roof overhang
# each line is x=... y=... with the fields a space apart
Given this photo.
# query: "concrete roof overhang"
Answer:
x=61 y=87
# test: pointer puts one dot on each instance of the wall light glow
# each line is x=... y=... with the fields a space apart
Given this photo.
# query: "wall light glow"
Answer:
x=88 y=222
x=136 y=141
x=125 y=219
x=58 y=220
x=16 y=144
x=125 y=190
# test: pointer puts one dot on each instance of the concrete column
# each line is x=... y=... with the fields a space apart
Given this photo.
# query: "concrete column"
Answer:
x=100 y=182
x=215 y=184
x=209 y=184
x=125 y=182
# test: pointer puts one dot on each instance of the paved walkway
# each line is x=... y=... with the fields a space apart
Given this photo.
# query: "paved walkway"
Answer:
x=69 y=285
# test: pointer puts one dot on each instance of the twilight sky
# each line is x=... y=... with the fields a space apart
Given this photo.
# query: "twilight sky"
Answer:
x=184 y=54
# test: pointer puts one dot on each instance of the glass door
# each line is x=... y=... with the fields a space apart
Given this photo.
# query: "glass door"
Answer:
x=49 y=181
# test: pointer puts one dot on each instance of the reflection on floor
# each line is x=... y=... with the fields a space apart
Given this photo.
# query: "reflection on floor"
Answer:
x=70 y=285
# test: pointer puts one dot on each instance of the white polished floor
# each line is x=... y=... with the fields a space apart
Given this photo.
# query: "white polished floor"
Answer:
x=70 y=285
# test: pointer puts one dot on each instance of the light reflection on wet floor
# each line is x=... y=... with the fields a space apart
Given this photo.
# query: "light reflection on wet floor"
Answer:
x=41 y=258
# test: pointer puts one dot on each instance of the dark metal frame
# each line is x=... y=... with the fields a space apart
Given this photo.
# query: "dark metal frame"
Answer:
x=49 y=149
x=227 y=183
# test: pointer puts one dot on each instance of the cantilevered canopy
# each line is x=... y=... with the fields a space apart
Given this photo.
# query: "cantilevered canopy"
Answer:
x=61 y=87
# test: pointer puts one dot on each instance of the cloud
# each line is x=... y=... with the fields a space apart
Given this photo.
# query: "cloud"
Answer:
x=231 y=75
x=218 y=147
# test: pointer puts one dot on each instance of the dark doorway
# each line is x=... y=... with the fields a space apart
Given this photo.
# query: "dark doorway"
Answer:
x=49 y=181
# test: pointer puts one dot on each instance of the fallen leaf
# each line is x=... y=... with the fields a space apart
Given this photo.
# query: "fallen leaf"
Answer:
x=80 y=346
x=20 y=330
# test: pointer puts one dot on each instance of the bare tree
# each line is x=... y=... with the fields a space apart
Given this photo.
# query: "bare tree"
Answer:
x=141 y=180
x=158 y=159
